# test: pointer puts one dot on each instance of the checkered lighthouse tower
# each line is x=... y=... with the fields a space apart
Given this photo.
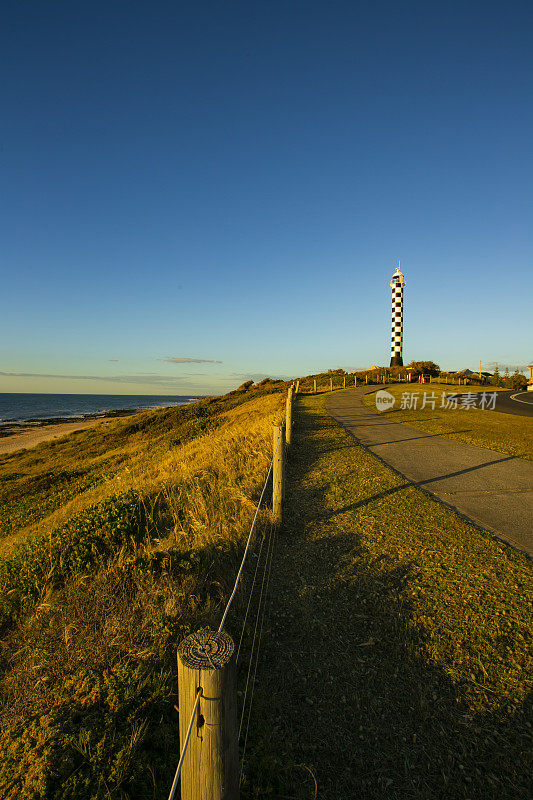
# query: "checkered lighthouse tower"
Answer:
x=397 y=283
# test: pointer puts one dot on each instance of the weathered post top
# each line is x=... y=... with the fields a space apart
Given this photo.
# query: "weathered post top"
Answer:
x=207 y=695
x=206 y=650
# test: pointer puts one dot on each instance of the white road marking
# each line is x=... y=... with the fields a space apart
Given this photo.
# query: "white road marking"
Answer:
x=526 y=402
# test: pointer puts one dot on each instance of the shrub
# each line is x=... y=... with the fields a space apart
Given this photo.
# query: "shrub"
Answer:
x=516 y=381
x=85 y=541
x=424 y=368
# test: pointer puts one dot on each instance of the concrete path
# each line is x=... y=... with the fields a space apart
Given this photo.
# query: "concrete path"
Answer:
x=492 y=489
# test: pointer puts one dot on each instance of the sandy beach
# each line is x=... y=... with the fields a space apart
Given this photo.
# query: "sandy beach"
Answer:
x=26 y=438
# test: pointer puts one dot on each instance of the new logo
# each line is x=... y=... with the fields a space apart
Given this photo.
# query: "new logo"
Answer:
x=384 y=400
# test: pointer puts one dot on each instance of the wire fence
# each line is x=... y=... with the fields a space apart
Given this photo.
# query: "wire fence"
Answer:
x=257 y=638
x=259 y=589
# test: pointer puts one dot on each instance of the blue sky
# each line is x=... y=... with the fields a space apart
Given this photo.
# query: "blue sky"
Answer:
x=195 y=193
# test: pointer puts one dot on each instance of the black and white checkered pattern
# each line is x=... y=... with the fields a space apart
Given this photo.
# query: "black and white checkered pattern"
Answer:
x=397 y=283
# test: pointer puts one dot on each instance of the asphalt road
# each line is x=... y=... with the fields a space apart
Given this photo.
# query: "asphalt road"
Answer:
x=510 y=402
x=492 y=489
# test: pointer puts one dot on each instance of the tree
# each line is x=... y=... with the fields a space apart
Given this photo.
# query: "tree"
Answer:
x=496 y=379
x=517 y=381
x=424 y=368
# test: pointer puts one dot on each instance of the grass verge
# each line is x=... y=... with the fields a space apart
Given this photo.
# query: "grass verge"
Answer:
x=506 y=433
x=398 y=659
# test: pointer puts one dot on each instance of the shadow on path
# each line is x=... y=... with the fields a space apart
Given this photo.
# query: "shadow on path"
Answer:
x=413 y=438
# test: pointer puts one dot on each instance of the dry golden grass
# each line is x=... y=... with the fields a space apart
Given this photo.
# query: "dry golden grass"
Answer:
x=211 y=484
x=88 y=673
x=220 y=456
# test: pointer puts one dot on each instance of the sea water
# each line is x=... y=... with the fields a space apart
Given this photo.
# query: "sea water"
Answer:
x=39 y=408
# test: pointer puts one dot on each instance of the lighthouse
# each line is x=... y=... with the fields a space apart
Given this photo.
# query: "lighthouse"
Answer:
x=397 y=283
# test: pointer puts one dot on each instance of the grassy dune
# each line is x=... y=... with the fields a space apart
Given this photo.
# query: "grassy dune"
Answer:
x=133 y=540
x=507 y=433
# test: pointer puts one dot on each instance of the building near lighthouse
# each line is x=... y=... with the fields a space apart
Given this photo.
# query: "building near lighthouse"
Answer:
x=397 y=283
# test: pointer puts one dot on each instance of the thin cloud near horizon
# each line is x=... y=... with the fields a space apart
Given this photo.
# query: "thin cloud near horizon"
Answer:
x=187 y=360
x=153 y=379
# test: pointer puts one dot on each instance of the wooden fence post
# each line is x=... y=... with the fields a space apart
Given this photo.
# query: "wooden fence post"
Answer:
x=297 y=387
x=331 y=384
x=345 y=381
x=288 y=418
x=211 y=766
x=355 y=381
x=277 y=473
x=314 y=390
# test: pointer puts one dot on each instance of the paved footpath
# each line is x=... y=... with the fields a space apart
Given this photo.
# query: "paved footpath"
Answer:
x=492 y=489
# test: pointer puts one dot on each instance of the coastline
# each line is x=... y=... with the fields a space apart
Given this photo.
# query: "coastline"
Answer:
x=23 y=437
x=26 y=433
x=30 y=410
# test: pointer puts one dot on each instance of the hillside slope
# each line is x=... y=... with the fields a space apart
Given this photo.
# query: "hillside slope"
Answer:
x=135 y=534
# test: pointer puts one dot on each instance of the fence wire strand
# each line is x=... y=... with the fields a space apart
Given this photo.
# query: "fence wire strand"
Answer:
x=183 y=752
x=238 y=578
x=251 y=594
x=254 y=637
x=261 y=612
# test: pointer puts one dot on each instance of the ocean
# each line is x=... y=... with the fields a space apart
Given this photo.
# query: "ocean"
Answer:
x=39 y=408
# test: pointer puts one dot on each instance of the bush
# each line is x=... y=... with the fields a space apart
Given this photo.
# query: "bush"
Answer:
x=517 y=381
x=86 y=540
x=424 y=368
